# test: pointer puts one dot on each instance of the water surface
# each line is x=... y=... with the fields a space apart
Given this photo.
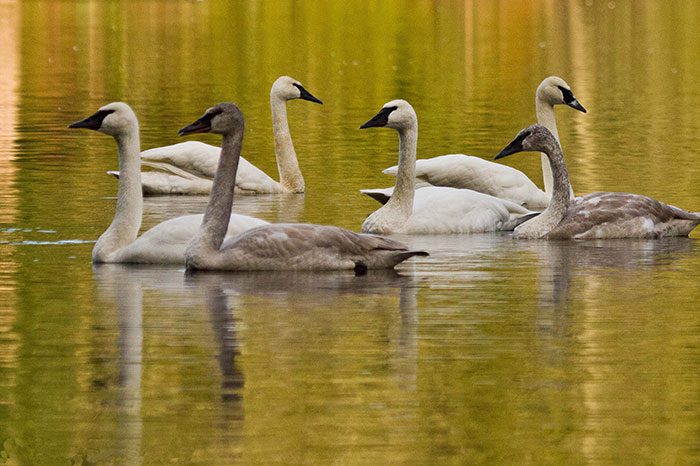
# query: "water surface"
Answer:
x=490 y=351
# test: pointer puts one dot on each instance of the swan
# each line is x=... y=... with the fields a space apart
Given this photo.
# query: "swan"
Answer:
x=164 y=243
x=596 y=215
x=502 y=181
x=432 y=209
x=189 y=167
x=273 y=247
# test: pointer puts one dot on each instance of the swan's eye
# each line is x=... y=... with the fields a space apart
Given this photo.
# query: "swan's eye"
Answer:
x=522 y=136
x=567 y=95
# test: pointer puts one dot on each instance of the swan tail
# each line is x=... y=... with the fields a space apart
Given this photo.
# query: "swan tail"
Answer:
x=403 y=255
x=392 y=259
x=379 y=195
x=391 y=170
x=114 y=173
x=511 y=224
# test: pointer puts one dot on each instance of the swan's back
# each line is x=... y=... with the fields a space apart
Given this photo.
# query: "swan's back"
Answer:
x=438 y=210
x=308 y=247
x=156 y=183
x=166 y=242
x=199 y=161
x=622 y=215
x=469 y=172
x=441 y=210
x=194 y=157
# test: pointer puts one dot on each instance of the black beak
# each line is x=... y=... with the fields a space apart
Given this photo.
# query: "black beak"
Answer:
x=516 y=145
x=94 y=121
x=202 y=125
x=380 y=119
x=575 y=104
x=306 y=95
x=570 y=100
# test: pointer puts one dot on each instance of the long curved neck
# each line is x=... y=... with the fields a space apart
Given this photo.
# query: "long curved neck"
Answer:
x=127 y=217
x=561 y=195
x=561 y=190
x=546 y=118
x=216 y=217
x=404 y=191
x=287 y=164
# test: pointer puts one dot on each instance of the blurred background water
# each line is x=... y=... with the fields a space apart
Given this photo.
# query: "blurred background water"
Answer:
x=488 y=351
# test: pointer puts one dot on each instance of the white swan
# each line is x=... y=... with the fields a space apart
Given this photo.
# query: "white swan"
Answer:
x=433 y=209
x=504 y=182
x=597 y=215
x=273 y=247
x=165 y=242
x=189 y=167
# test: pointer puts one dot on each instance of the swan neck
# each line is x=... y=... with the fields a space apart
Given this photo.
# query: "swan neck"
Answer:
x=287 y=164
x=547 y=118
x=404 y=191
x=127 y=216
x=218 y=212
x=561 y=195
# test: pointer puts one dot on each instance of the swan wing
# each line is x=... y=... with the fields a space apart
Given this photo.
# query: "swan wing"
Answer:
x=194 y=157
x=201 y=160
x=310 y=247
x=251 y=180
x=160 y=182
x=469 y=172
x=623 y=215
x=441 y=210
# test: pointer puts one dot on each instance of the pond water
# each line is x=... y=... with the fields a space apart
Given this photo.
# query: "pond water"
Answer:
x=490 y=351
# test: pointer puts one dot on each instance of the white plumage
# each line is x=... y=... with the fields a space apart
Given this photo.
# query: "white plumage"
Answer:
x=432 y=209
x=189 y=167
x=274 y=247
x=469 y=172
x=165 y=243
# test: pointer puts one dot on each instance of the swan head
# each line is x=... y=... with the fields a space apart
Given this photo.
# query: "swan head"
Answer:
x=555 y=91
x=397 y=114
x=288 y=88
x=115 y=119
x=224 y=118
x=535 y=138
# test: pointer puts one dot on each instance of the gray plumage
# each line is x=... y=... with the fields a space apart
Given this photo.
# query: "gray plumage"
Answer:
x=298 y=246
x=597 y=215
x=279 y=247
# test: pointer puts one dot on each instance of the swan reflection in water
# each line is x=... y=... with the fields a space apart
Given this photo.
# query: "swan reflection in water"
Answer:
x=117 y=285
x=308 y=291
x=563 y=260
x=570 y=270
x=125 y=286
x=133 y=288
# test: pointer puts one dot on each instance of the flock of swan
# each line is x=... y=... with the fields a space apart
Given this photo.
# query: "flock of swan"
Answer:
x=449 y=194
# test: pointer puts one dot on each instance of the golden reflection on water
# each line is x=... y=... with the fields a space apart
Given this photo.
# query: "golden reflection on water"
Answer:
x=490 y=350
x=9 y=70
